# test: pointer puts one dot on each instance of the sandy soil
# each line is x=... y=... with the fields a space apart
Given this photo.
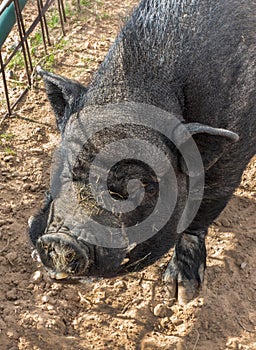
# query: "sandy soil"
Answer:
x=132 y=312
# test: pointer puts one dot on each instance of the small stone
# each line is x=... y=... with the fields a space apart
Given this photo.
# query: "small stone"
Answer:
x=161 y=310
x=56 y=286
x=176 y=321
x=50 y=307
x=26 y=187
x=36 y=150
x=45 y=298
x=34 y=188
x=11 y=294
x=8 y=159
x=120 y=286
x=39 y=137
x=36 y=276
x=243 y=265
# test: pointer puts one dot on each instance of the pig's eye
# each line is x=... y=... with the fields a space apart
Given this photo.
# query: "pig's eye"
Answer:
x=151 y=187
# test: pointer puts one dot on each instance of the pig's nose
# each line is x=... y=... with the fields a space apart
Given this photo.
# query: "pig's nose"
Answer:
x=62 y=255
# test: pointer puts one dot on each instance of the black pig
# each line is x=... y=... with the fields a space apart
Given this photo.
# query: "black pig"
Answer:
x=175 y=65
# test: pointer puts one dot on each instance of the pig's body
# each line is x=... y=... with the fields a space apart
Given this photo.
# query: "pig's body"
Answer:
x=197 y=61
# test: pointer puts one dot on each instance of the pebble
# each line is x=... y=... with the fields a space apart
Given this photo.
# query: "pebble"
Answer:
x=26 y=187
x=36 y=276
x=34 y=188
x=39 y=138
x=176 y=321
x=120 y=285
x=36 y=150
x=45 y=298
x=50 y=307
x=100 y=296
x=56 y=286
x=243 y=265
x=11 y=294
x=161 y=310
x=8 y=158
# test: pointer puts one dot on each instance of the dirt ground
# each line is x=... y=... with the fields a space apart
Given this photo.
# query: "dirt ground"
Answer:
x=132 y=312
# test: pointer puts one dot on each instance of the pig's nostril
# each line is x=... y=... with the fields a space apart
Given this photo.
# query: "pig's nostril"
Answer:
x=75 y=265
x=61 y=253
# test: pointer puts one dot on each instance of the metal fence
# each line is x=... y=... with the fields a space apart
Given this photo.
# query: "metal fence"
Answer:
x=11 y=14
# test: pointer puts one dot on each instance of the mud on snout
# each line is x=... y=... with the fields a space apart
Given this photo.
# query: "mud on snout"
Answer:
x=62 y=255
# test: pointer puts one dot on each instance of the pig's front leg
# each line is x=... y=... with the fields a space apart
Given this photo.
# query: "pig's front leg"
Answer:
x=185 y=271
x=38 y=223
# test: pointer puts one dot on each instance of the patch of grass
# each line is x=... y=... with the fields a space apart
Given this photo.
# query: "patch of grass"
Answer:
x=6 y=137
x=9 y=152
x=105 y=15
x=49 y=60
x=17 y=61
x=54 y=19
x=60 y=44
x=87 y=3
x=69 y=12
x=35 y=41
x=88 y=59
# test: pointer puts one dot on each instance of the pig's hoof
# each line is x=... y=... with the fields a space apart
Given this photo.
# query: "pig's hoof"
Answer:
x=180 y=287
x=185 y=271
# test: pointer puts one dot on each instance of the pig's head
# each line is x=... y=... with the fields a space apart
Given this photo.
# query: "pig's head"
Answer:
x=126 y=180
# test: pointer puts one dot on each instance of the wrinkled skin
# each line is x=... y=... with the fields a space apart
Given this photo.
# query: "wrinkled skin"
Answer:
x=194 y=60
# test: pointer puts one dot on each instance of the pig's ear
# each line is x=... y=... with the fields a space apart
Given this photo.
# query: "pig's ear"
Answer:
x=66 y=96
x=211 y=142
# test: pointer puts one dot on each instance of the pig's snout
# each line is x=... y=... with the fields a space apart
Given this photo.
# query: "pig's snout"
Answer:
x=62 y=255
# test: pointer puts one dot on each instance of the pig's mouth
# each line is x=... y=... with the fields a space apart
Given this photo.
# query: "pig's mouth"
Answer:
x=62 y=255
x=67 y=258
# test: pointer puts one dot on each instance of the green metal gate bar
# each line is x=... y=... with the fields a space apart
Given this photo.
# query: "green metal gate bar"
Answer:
x=8 y=18
x=10 y=13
